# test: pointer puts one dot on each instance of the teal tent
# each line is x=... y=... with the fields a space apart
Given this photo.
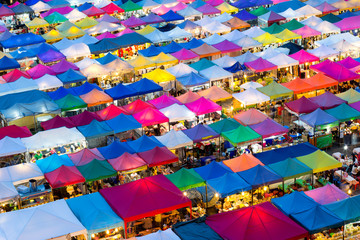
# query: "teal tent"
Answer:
x=290 y=168
x=344 y=113
x=347 y=209
x=224 y=125
x=95 y=129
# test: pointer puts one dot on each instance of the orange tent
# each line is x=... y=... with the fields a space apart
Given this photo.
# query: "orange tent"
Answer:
x=188 y=97
x=236 y=23
x=242 y=163
x=215 y=94
x=299 y=86
x=96 y=97
x=320 y=81
x=206 y=51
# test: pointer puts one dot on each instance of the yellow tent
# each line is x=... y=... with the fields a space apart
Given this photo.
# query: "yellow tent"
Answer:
x=267 y=39
x=86 y=23
x=163 y=58
x=141 y=62
x=73 y=32
x=287 y=35
x=53 y=36
x=146 y=30
x=159 y=76
x=37 y=23
x=225 y=7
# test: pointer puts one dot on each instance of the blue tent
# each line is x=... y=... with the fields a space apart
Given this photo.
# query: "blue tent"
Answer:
x=115 y=149
x=281 y=7
x=167 y=27
x=229 y=184
x=84 y=89
x=21 y=9
x=94 y=213
x=31 y=2
x=290 y=168
x=123 y=123
x=245 y=16
x=259 y=176
x=8 y=63
x=50 y=55
x=193 y=43
x=281 y=154
x=171 y=16
x=144 y=143
x=71 y=76
x=9 y=100
x=145 y=86
x=130 y=39
x=348 y=14
x=197 y=3
x=150 y=51
x=188 y=25
x=40 y=48
x=120 y=91
x=212 y=170
x=171 y=48
x=104 y=45
x=293 y=47
x=5 y=35
x=235 y=68
x=240 y=4
x=108 y=58
x=318 y=118
x=201 y=133
x=22 y=40
x=53 y=162
x=317 y=219
x=347 y=209
x=59 y=93
x=22 y=53
x=95 y=129
x=85 y=6
x=195 y=229
x=295 y=202
x=192 y=79
x=58 y=3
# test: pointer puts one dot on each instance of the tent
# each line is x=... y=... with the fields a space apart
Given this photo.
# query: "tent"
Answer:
x=163 y=59
x=14 y=75
x=344 y=113
x=39 y=71
x=97 y=170
x=346 y=209
x=203 y=106
x=14 y=131
x=130 y=6
x=70 y=102
x=48 y=82
x=287 y=35
x=293 y=203
x=11 y=146
x=120 y=91
x=263 y=221
x=225 y=61
x=96 y=97
x=95 y=129
x=55 y=18
x=158 y=156
x=327 y=194
x=167 y=234
x=242 y=163
x=133 y=22
x=150 y=51
x=150 y=116
x=75 y=15
x=228 y=184
x=71 y=76
x=323 y=52
x=111 y=112
x=301 y=105
x=144 y=143
x=224 y=125
x=241 y=135
x=236 y=23
x=207 y=9
x=200 y=133
x=215 y=73
x=327 y=100
x=186 y=179
x=22 y=40
x=176 y=112
x=351 y=96
x=259 y=176
x=283 y=61
x=145 y=86
x=64 y=176
x=213 y=39
x=63 y=66
x=53 y=162
x=193 y=43
x=123 y=123
x=294 y=48
x=331 y=18
x=251 y=97
x=77 y=50
x=127 y=162
x=53 y=36
x=21 y=173
x=269 y=128
x=335 y=71
x=298 y=86
x=275 y=90
x=250 y=117
x=319 y=161
x=318 y=119
x=115 y=149
x=290 y=168
x=245 y=15
x=246 y=57
x=184 y=55
x=84 y=118
x=260 y=65
x=57 y=122
x=112 y=8
x=292 y=25
x=212 y=170
x=137 y=106
x=8 y=191
x=350 y=63
x=152 y=19
x=321 y=81
x=304 y=57
x=188 y=97
x=85 y=156
x=37 y=23
x=7 y=63
x=205 y=51
x=174 y=139
x=180 y=70
x=171 y=48
x=202 y=64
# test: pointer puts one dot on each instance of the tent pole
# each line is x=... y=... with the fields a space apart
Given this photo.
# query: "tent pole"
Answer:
x=169 y=126
x=206 y=198
x=125 y=225
x=262 y=145
x=219 y=147
x=252 y=197
x=283 y=183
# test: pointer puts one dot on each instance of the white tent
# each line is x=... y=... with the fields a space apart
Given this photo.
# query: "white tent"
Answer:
x=85 y=63
x=339 y=37
x=290 y=14
x=40 y=7
x=47 y=221
x=344 y=47
x=250 y=97
x=234 y=35
x=254 y=32
x=76 y=50
x=268 y=53
x=178 y=33
x=189 y=12
x=75 y=15
x=20 y=85
x=247 y=42
x=250 y=84
x=63 y=44
x=223 y=17
x=7 y=192
x=225 y=61
x=213 y=39
x=325 y=28
x=48 y=82
x=11 y=146
x=119 y=66
x=282 y=61
x=53 y=138
x=104 y=27
x=216 y=27
x=177 y=112
x=215 y=73
x=312 y=21
x=102 y=3
x=21 y=173
x=180 y=70
x=308 y=11
x=205 y=20
x=160 y=235
x=246 y=57
x=157 y=36
x=175 y=139
x=323 y=52
x=95 y=70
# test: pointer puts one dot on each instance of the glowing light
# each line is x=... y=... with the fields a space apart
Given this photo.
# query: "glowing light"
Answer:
x=345 y=147
x=265 y=188
x=92 y=235
x=216 y=195
x=349 y=191
x=242 y=193
x=107 y=232
x=185 y=194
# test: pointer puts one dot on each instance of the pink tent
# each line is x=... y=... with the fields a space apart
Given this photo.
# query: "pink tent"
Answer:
x=306 y=31
x=178 y=7
x=137 y=106
x=112 y=8
x=263 y=221
x=57 y=122
x=133 y=22
x=14 y=131
x=93 y=12
x=160 y=10
x=111 y=112
x=303 y=57
x=184 y=55
x=4 y=11
x=349 y=23
x=125 y=31
x=326 y=8
x=63 y=66
x=150 y=116
x=301 y=105
x=84 y=118
x=215 y=3
x=106 y=35
x=127 y=162
x=203 y=106
x=85 y=156
x=108 y=18
x=62 y=11
x=14 y=75
x=164 y=101
x=188 y=97
x=40 y=70
x=207 y=9
x=260 y=65
x=64 y=176
x=250 y=117
x=158 y=156
x=269 y=128
x=227 y=47
x=335 y=71
x=327 y=194
x=350 y=64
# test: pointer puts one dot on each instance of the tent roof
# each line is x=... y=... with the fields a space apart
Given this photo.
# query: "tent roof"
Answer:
x=144 y=143
x=85 y=156
x=259 y=176
x=228 y=184
x=127 y=162
x=202 y=106
x=344 y=113
x=123 y=123
x=184 y=54
x=224 y=125
x=301 y=105
x=8 y=191
x=327 y=100
x=321 y=81
x=115 y=149
x=64 y=176
x=174 y=139
x=351 y=96
x=11 y=146
x=14 y=75
x=205 y=50
x=242 y=163
x=302 y=56
x=186 y=179
x=267 y=39
x=250 y=117
x=335 y=71
x=200 y=133
x=295 y=202
x=144 y=86
x=298 y=86
x=240 y=135
x=347 y=209
x=318 y=118
x=95 y=129
x=96 y=97
x=180 y=70
x=14 y=131
x=275 y=90
x=202 y=64
x=269 y=128
x=193 y=43
x=97 y=170
x=260 y=65
x=158 y=156
x=137 y=106
x=323 y=52
x=290 y=168
x=195 y=229
x=319 y=161
x=189 y=97
x=84 y=118
x=130 y=6
x=212 y=170
x=164 y=101
x=111 y=112
x=251 y=96
x=176 y=112
x=53 y=162
x=57 y=122
x=327 y=194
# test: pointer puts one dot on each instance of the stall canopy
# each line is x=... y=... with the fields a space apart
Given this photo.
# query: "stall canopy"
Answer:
x=195 y=229
x=275 y=90
x=215 y=93
x=318 y=118
x=150 y=116
x=164 y=101
x=228 y=184
x=203 y=106
x=319 y=161
x=259 y=176
x=14 y=75
x=64 y=176
x=84 y=118
x=85 y=156
x=174 y=139
x=192 y=79
x=295 y=202
x=96 y=97
x=11 y=146
x=250 y=117
x=57 y=122
x=96 y=170
x=95 y=129
x=263 y=221
x=344 y=113
x=327 y=100
x=115 y=149
x=202 y=64
x=303 y=57
x=7 y=63
x=321 y=81
x=189 y=97
x=180 y=70
x=186 y=179
x=351 y=96
x=53 y=162
x=224 y=125
x=251 y=97
x=241 y=135
x=8 y=191
x=178 y=112
x=144 y=143
x=298 y=86
x=127 y=162
x=123 y=123
x=347 y=209
x=335 y=71
x=290 y=168
x=242 y=163
x=14 y=131
x=144 y=198
x=301 y=105
x=212 y=170
x=200 y=133
x=327 y=194
x=158 y=156
x=260 y=65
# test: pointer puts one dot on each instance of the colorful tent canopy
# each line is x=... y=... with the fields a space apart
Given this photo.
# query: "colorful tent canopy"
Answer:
x=346 y=209
x=212 y=170
x=200 y=133
x=177 y=112
x=250 y=117
x=304 y=57
x=64 y=176
x=240 y=135
x=298 y=86
x=224 y=125
x=319 y=161
x=335 y=71
x=158 y=75
x=269 y=128
x=186 y=179
x=115 y=149
x=174 y=139
x=195 y=229
x=251 y=97
x=295 y=202
x=96 y=97
x=150 y=116
x=14 y=131
x=301 y=105
x=95 y=129
x=85 y=156
x=321 y=81
x=351 y=96
x=290 y=168
x=344 y=113
x=242 y=163
x=203 y=106
x=275 y=90
x=192 y=79
x=57 y=122
x=259 y=176
x=327 y=194
x=11 y=146
x=164 y=101
x=327 y=100
x=228 y=184
x=144 y=143
x=158 y=156
x=127 y=162
x=53 y=162
x=84 y=118
x=123 y=123
x=189 y=97
x=318 y=119
x=260 y=65
x=70 y=102
x=97 y=170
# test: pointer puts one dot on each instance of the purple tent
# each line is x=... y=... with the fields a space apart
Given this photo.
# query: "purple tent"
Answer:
x=107 y=18
x=133 y=22
x=327 y=100
x=201 y=133
x=301 y=105
x=355 y=105
x=5 y=11
x=63 y=66
x=269 y=128
x=327 y=194
x=260 y=65
x=62 y=11
x=227 y=47
x=207 y=9
x=39 y=70
x=152 y=18
x=50 y=55
x=164 y=101
x=271 y=17
x=350 y=63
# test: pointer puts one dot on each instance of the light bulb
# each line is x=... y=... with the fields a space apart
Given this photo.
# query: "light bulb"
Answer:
x=185 y=193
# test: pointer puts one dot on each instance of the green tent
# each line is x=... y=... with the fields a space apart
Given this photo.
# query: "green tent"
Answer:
x=344 y=113
x=274 y=29
x=130 y=6
x=290 y=168
x=319 y=161
x=292 y=25
x=97 y=170
x=186 y=179
x=350 y=96
x=55 y=18
x=275 y=90
x=202 y=64
x=331 y=18
x=70 y=102
x=259 y=11
x=224 y=125
x=65 y=26
x=86 y=23
x=241 y=134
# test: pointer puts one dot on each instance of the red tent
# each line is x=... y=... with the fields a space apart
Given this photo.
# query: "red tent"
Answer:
x=111 y=112
x=298 y=86
x=93 y=12
x=164 y=101
x=85 y=156
x=250 y=117
x=203 y=106
x=15 y=75
x=127 y=162
x=144 y=198
x=260 y=65
x=158 y=156
x=137 y=106
x=57 y=122
x=150 y=116
x=301 y=105
x=14 y=131
x=188 y=97
x=304 y=57
x=112 y=8
x=64 y=176
x=84 y=118
x=263 y=221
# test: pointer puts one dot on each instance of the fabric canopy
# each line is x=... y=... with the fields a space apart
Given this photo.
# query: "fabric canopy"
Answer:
x=158 y=156
x=335 y=71
x=241 y=135
x=164 y=101
x=174 y=139
x=177 y=112
x=290 y=168
x=14 y=131
x=259 y=176
x=123 y=123
x=251 y=97
x=192 y=79
x=260 y=65
x=203 y=106
x=301 y=105
x=269 y=128
x=53 y=162
x=189 y=97
x=242 y=163
x=95 y=129
x=115 y=149
x=228 y=184
x=327 y=194
x=97 y=170
x=186 y=179
x=85 y=156
x=295 y=202
x=327 y=100
x=346 y=209
x=319 y=161
x=298 y=86
x=64 y=176
x=250 y=117
x=351 y=96
x=215 y=93
x=127 y=162
x=318 y=118
x=200 y=133
x=144 y=143
x=224 y=125
x=150 y=116
x=275 y=90
x=212 y=170
x=344 y=113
